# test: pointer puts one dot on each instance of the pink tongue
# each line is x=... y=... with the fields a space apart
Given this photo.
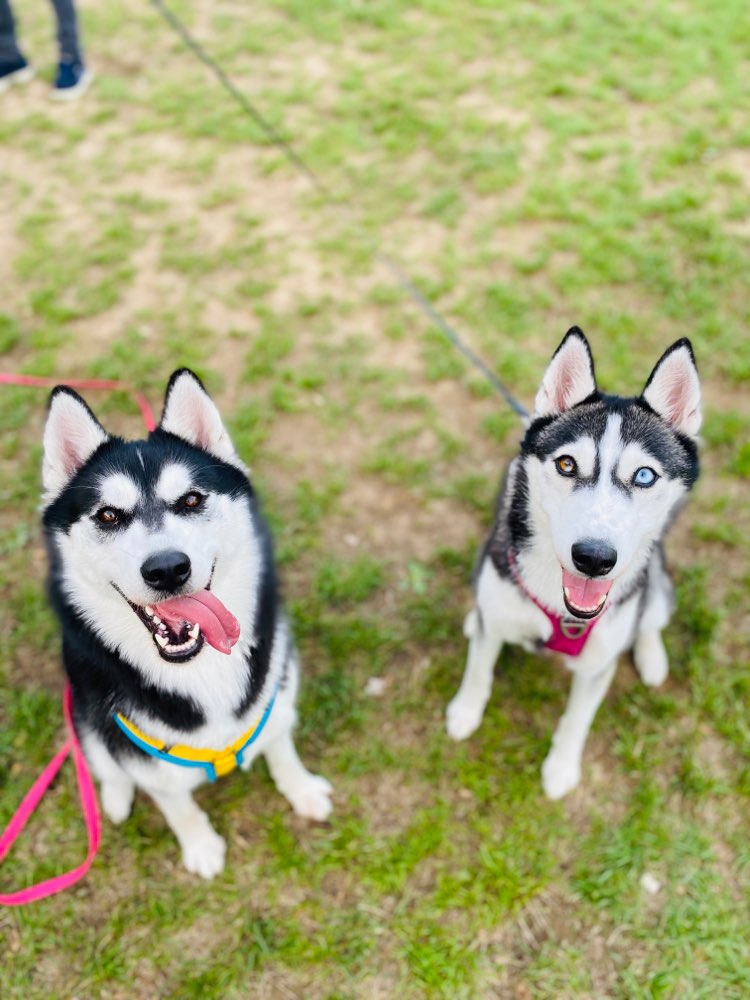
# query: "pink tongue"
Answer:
x=584 y=592
x=219 y=626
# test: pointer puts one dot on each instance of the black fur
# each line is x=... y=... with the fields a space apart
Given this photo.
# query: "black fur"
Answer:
x=102 y=680
x=677 y=453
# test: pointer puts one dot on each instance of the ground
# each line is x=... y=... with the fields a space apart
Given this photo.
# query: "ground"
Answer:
x=531 y=166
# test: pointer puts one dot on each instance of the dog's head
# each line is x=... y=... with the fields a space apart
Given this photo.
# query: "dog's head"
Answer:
x=144 y=535
x=605 y=473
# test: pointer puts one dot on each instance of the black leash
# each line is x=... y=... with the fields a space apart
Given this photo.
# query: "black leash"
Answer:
x=406 y=284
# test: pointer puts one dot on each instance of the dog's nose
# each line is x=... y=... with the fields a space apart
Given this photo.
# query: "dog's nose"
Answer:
x=166 y=570
x=593 y=557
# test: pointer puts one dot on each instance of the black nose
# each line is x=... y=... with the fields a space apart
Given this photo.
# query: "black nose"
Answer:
x=166 y=570
x=593 y=557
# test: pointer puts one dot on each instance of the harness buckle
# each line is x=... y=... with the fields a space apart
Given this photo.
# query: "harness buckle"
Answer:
x=224 y=762
x=573 y=628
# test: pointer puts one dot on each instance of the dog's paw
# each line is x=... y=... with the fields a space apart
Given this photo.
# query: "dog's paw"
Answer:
x=462 y=718
x=117 y=800
x=311 y=797
x=560 y=775
x=651 y=659
x=204 y=854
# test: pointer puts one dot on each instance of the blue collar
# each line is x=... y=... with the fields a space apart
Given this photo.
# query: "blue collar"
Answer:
x=216 y=763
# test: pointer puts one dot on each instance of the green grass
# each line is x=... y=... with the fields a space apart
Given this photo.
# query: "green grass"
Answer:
x=531 y=166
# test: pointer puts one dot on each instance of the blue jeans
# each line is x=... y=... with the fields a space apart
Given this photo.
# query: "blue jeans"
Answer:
x=67 y=32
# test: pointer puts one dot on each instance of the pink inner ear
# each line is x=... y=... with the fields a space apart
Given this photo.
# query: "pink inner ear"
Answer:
x=565 y=387
x=202 y=430
x=74 y=444
x=70 y=457
x=676 y=398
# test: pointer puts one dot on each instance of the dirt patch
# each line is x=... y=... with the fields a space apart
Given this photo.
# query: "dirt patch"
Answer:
x=390 y=800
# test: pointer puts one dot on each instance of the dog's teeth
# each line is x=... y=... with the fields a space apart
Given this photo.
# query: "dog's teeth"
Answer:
x=157 y=621
x=162 y=640
x=193 y=632
x=149 y=610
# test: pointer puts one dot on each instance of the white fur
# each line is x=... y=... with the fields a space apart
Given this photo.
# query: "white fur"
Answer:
x=174 y=482
x=94 y=560
x=569 y=379
x=71 y=436
x=674 y=391
x=171 y=786
x=191 y=414
x=118 y=490
x=219 y=540
x=631 y=522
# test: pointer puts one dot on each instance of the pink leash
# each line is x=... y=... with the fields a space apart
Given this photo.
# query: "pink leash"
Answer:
x=87 y=794
x=86 y=790
x=7 y=378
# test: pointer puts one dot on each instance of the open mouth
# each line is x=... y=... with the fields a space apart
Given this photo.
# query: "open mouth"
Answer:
x=181 y=625
x=585 y=596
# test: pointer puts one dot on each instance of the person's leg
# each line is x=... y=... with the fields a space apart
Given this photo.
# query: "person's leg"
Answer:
x=72 y=76
x=9 y=51
x=67 y=30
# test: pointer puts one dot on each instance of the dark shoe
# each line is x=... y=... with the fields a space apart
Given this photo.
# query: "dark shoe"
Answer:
x=15 y=71
x=72 y=80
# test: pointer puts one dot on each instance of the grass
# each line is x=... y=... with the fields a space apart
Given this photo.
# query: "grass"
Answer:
x=531 y=166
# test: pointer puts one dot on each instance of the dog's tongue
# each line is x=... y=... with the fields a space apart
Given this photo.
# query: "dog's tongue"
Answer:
x=219 y=626
x=584 y=592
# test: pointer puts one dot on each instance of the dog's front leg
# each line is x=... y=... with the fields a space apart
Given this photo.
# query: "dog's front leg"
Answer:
x=203 y=850
x=467 y=708
x=561 y=771
x=308 y=794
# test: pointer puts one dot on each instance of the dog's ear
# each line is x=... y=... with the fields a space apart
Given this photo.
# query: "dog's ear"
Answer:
x=569 y=378
x=190 y=413
x=673 y=389
x=71 y=436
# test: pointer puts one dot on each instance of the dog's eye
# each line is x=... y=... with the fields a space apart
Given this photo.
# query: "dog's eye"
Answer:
x=191 y=501
x=566 y=465
x=644 y=476
x=108 y=516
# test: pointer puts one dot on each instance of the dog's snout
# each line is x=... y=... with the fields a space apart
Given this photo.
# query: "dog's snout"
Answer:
x=593 y=557
x=166 y=570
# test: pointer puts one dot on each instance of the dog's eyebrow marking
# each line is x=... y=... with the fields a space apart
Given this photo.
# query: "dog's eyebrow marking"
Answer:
x=173 y=482
x=633 y=457
x=119 y=490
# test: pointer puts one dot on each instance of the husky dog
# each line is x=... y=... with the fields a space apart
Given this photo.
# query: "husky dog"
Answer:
x=574 y=560
x=181 y=662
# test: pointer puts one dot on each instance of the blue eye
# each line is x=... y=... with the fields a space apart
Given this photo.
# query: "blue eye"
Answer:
x=644 y=476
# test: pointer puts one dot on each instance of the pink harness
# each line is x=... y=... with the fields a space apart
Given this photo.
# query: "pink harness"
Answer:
x=569 y=635
x=86 y=790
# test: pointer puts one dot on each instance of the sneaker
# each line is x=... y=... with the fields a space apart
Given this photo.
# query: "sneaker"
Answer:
x=15 y=71
x=72 y=80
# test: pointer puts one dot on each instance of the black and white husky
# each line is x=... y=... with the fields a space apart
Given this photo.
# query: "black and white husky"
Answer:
x=180 y=659
x=574 y=560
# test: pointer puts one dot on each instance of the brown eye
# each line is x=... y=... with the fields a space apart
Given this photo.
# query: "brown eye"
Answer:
x=566 y=465
x=108 y=516
x=191 y=501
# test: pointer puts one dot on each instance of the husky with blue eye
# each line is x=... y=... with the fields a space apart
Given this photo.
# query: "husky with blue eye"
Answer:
x=574 y=561
x=181 y=662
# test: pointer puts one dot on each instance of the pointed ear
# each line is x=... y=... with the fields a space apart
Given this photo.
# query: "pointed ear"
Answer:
x=71 y=436
x=673 y=389
x=190 y=413
x=569 y=378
